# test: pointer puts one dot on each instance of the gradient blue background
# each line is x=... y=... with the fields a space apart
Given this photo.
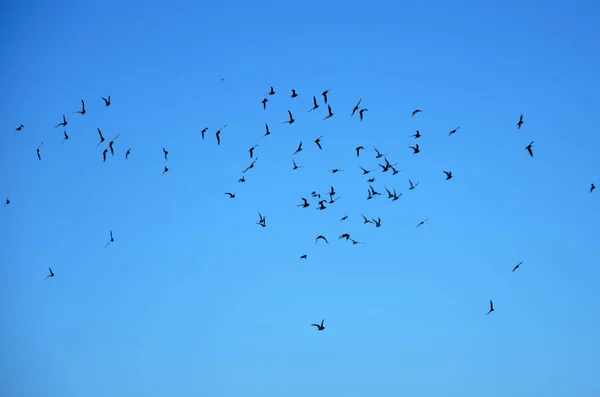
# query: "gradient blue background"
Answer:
x=195 y=299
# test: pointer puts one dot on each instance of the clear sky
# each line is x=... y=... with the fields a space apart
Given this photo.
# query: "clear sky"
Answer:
x=194 y=298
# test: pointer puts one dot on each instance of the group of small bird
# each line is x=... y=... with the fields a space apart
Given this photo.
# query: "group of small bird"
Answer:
x=321 y=203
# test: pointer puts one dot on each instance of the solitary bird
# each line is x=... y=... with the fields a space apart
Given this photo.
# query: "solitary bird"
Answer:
x=491 y=307
x=320 y=327
x=64 y=122
x=106 y=100
x=82 y=111
x=231 y=195
x=262 y=220
x=528 y=148
x=592 y=188
x=303 y=256
x=291 y=120
x=330 y=113
x=415 y=112
x=453 y=131
x=422 y=222
x=51 y=273
x=518 y=265
x=520 y=123
x=318 y=142
x=356 y=107
x=448 y=174
x=19 y=128
x=112 y=239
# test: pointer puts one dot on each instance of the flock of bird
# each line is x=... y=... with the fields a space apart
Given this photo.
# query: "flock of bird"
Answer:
x=321 y=202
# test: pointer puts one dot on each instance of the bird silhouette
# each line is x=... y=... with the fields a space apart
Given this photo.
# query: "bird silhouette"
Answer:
x=315 y=104
x=321 y=237
x=203 y=132
x=104 y=155
x=82 y=111
x=303 y=256
x=592 y=187
x=324 y=93
x=39 y=154
x=415 y=148
x=415 y=112
x=242 y=180
x=520 y=123
x=267 y=130
x=356 y=107
x=528 y=148
x=166 y=154
x=379 y=154
x=318 y=142
x=294 y=95
x=320 y=327
x=250 y=166
x=66 y=136
x=262 y=220
x=299 y=148
x=491 y=307
x=518 y=265
x=264 y=103
x=304 y=204
x=422 y=222
x=366 y=220
x=127 y=154
x=218 y=134
x=360 y=113
x=64 y=122
x=231 y=195
x=358 y=149
x=101 y=137
x=291 y=120
x=271 y=91
x=106 y=100
x=453 y=131
x=417 y=135
x=165 y=170
x=344 y=218
x=412 y=186
x=448 y=174
x=330 y=113
x=295 y=165
x=112 y=239
x=111 y=143
x=19 y=128
x=51 y=273
x=251 y=150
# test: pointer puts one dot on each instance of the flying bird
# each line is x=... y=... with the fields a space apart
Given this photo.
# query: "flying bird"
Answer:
x=112 y=239
x=448 y=174
x=366 y=220
x=315 y=104
x=166 y=154
x=51 y=273
x=165 y=170
x=528 y=148
x=19 y=128
x=303 y=256
x=101 y=137
x=335 y=171
x=203 y=131
x=262 y=220
x=592 y=188
x=304 y=204
x=111 y=143
x=415 y=148
x=127 y=154
x=296 y=166
x=250 y=166
x=417 y=135
x=218 y=134
x=106 y=100
x=321 y=237
x=422 y=222
x=271 y=92
x=66 y=136
x=365 y=171
x=264 y=102
x=231 y=195
x=330 y=113
x=491 y=307
x=242 y=180
x=379 y=154
x=415 y=112
x=294 y=95
x=453 y=131
x=82 y=111
x=318 y=142
x=291 y=120
x=39 y=155
x=358 y=149
x=299 y=148
x=360 y=113
x=320 y=327
x=104 y=155
x=252 y=150
x=324 y=93
x=64 y=122
x=412 y=186
x=356 y=107
x=520 y=123
x=267 y=130
x=518 y=265
x=344 y=218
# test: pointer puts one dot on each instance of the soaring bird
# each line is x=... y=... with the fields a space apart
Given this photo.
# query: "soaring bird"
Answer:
x=520 y=123
x=453 y=131
x=299 y=148
x=358 y=149
x=166 y=154
x=315 y=104
x=528 y=148
x=66 y=136
x=112 y=239
x=491 y=307
x=291 y=120
x=417 y=135
x=324 y=93
x=330 y=113
x=415 y=112
x=127 y=154
x=231 y=195
x=412 y=186
x=415 y=148
x=271 y=92
x=203 y=131
x=304 y=204
x=64 y=122
x=320 y=327
x=101 y=136
x=264 y=102
x=303 y=256
x=448 y=174
x=356 y=107
x=422 y=222
x=294 y=95
x=111 y=143
x=360 y=113
x=252 y=150
x=379 y=154
x=592 y=188
x=318 y=142
x=39 y=154
x=51 y=273
x=82 y=111
x=267 y=130
x=262 y=221
x=19 y=128
x=516 y=267
x=104 y=155
x=218 y=134
x=296 y=166
x=106 y=100
x=165 y=170
x=321 y=237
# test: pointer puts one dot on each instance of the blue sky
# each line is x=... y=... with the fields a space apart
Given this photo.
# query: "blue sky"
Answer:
x=195 y=299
